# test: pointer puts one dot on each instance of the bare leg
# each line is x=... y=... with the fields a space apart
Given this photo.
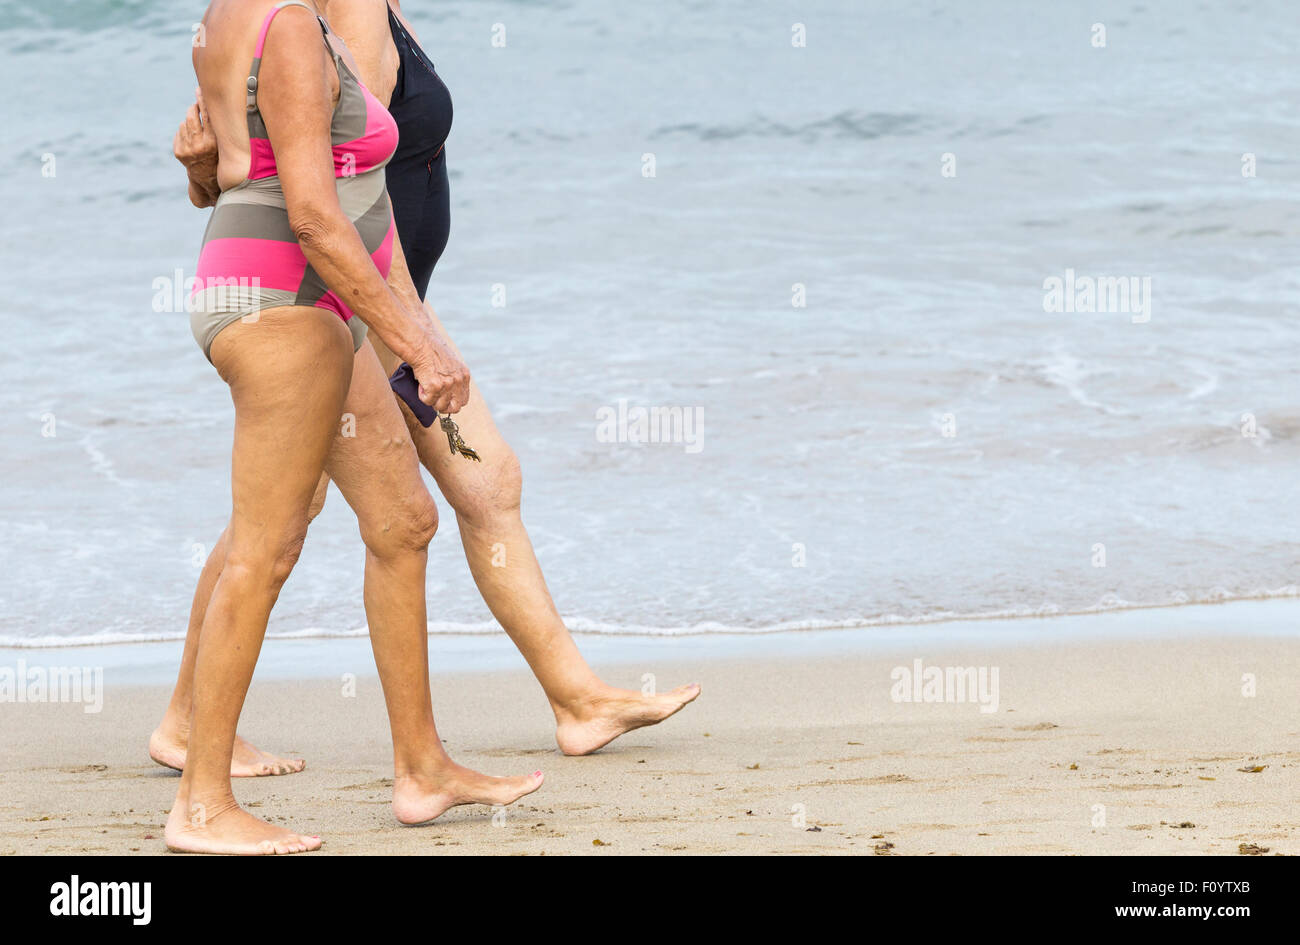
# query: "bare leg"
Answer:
x=288 y=374
x=168 y=741
x=485 y=496
x=379 y=475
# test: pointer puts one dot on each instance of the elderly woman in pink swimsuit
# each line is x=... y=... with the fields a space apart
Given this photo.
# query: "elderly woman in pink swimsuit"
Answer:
x=299 y=255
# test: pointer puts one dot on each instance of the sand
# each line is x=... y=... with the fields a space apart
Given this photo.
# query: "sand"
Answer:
x=1106 y=747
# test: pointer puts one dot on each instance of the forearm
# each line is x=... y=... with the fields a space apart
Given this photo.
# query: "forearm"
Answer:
x=399 y=278
x=335 y=251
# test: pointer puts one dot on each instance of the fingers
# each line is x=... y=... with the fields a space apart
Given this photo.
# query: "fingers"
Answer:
x=461 y=387
x=457 y=393
x=444 y=398
x=439 y=397
x=190 y=128
x=203 y=114
x=444 y=384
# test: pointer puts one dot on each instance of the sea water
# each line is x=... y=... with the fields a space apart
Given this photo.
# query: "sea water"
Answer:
x=834 y=238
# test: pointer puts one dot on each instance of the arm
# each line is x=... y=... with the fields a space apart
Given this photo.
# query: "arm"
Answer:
x=445 y=367
x=195 y=146
x=296 y=101
x=364 y=26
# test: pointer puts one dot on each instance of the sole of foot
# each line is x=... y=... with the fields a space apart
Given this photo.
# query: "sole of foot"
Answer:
x=617 y=714
x=418 y=801
x=247 y=761
x=233 y=832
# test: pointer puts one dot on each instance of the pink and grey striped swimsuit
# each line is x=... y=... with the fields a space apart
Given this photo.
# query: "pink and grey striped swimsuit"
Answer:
x=251 y=259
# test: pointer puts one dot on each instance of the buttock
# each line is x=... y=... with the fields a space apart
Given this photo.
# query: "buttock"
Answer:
x=211 y=313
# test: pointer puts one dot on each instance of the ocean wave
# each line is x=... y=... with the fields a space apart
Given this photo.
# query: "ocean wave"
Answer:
x=590 y=627
x=862 y=126
x=54 y=17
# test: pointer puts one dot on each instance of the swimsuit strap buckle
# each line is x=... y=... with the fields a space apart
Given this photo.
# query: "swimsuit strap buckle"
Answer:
x=251 y=100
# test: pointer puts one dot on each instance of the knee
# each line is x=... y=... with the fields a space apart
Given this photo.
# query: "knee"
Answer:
x=407 y=527
x=492 y=493
x=286 y=557
x=267 y=564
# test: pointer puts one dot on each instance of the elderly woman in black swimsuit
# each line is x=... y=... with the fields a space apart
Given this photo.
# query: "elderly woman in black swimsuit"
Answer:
x=485 y=496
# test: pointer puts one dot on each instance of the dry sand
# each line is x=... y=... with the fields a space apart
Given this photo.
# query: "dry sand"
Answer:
x=1133 y=747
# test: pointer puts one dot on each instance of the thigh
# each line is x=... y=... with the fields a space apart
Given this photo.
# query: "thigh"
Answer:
x=458 y=478
x=288 y=373
x=372 y=459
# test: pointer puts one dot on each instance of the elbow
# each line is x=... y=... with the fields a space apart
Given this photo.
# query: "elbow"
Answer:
x=311 y=227
x=311 y=234
x=201 y=198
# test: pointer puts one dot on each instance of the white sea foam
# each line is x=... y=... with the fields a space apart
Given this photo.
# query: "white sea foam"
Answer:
x=581 y=625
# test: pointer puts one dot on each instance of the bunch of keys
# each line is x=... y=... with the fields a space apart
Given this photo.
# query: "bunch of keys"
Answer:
x=407 y=387
x=454 y=441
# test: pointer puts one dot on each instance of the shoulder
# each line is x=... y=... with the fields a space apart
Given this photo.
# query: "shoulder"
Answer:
x=289 y=38
x=291 y=24
x=358 y=21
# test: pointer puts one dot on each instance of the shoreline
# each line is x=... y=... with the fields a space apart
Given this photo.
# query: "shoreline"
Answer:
x=288 y=658
x=581 y=626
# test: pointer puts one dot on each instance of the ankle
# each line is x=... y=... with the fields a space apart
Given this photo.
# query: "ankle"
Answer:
x=580 y=701
x=197 y=806
x=174 y=726
x=428 y=768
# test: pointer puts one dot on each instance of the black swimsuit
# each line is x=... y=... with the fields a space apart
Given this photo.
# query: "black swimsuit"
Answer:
x=417 y=172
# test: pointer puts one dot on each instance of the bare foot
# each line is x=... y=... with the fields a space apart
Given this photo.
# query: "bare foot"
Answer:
x=418 y=799
x=228 y=829
x=168 y=747
x=605 y=718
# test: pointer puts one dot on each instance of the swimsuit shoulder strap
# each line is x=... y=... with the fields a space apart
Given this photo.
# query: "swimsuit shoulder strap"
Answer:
x=261 y=44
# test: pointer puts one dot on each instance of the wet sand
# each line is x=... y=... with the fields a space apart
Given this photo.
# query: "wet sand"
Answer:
x=1094 y=748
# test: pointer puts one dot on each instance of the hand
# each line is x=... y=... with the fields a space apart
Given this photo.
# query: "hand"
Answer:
x=195 y=146
x=443 y=377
